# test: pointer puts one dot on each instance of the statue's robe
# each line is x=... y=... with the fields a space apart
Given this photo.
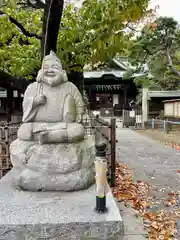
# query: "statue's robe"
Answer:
x=63 y=104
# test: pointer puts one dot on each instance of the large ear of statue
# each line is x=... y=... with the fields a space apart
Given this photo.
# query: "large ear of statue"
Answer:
x=65 y=76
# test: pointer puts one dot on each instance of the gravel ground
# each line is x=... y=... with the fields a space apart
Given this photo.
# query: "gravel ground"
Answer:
x=173 y=137
x=152 y=162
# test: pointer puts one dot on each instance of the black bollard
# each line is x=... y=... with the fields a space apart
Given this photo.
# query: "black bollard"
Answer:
x=101 y=168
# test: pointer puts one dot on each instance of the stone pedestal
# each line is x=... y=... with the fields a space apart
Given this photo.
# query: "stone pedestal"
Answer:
x=55 y=215
x=54 y=167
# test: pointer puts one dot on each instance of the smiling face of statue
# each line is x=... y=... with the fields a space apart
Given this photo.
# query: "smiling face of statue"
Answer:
x=52 y=71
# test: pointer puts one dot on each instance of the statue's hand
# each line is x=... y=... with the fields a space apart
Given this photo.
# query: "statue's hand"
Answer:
x=40 y=100
x=79 y=118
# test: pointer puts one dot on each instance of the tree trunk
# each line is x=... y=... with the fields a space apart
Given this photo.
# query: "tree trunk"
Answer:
x=78 y=79
x=18 y=83
x=170 y=64
x=54 y=10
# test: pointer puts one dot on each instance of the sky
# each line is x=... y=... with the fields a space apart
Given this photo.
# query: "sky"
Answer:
x=170 y=8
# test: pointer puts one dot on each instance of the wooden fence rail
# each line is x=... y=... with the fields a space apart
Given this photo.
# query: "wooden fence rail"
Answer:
x=107 y=131
x=8 y=133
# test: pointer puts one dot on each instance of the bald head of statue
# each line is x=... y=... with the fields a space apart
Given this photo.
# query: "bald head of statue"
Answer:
x=52 y=72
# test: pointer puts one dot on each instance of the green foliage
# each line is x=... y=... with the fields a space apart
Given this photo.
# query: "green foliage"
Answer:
x=19 y=54
x=97 y=30
x=92 y=33
x=151 y=47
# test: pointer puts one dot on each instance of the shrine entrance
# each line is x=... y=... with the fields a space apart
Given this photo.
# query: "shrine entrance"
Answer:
x=132 y=119
x=104 y=99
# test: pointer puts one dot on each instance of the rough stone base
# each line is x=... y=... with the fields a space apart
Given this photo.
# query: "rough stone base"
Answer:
x=54 y=167
x=55 y=215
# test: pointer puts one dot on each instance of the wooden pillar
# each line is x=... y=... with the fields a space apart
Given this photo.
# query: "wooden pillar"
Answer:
x=125 y=95
x=9 y=104
x=93 y=98
x=145 y=106
x=55 y=8
x=113 y=152
x=19 y=102
x=89 y=92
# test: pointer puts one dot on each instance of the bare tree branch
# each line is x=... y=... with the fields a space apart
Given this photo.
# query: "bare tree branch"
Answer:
x=170 y=64
x=131 y=28
x=31 y=3
x=147 y=50
x=145 y=57
x=36 y=4
x=169 y=59
x=20 y=27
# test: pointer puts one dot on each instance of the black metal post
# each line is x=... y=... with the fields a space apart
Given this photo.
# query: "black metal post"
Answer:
x=101 y=158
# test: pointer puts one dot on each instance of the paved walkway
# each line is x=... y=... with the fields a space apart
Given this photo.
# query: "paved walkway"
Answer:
x=152 y=162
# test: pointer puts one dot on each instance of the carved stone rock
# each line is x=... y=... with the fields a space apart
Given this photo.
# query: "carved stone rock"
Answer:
x=60 y=167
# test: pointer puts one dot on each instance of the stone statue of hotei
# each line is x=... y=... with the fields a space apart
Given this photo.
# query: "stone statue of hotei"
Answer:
x=52 y=106
x=51 y=152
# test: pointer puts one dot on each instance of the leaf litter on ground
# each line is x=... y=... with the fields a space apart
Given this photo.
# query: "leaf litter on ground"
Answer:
x=160 y=224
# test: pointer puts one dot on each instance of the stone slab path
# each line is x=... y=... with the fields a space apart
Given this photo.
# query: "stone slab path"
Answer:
x=151 y=161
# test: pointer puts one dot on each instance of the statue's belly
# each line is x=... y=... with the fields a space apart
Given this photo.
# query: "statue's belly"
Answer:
x=49 y=114
x=52 y=111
